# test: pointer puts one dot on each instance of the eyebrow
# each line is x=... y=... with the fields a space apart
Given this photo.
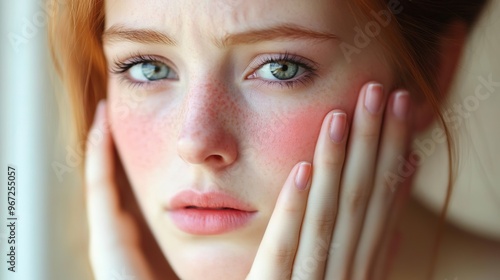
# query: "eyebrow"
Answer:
x=122 y=33
x=286 y=31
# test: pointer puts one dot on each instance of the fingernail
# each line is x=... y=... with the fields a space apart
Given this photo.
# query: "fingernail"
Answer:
x=337 y=126
x=374 y=97
x=401 y=105
x=302 y=176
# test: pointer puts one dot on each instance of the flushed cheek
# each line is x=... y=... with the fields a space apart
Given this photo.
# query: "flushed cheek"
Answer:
x=284 y=139
x=138 y=137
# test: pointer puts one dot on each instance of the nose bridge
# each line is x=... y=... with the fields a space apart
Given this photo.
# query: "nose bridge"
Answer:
x=202 y=106
x=205 y=134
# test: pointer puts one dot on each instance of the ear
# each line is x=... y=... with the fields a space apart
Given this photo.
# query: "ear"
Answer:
x=451 y=45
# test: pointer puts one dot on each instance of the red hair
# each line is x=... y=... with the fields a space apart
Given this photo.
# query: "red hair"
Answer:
x=411 y=42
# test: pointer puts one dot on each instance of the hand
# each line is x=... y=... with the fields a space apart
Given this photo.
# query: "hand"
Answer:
x=331 y=217
x=115 y=247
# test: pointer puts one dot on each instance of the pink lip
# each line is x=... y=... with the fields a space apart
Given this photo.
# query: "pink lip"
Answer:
x=209 y=213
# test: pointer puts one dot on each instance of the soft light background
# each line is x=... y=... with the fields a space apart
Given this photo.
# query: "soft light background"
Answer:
x=478 y=131
x=34 y=125
x=51 y=233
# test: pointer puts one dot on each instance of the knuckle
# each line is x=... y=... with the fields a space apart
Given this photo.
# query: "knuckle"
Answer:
x=291 y=210
x=324 y=224
x=283 y=254
x=389 y=187
x=334 y=161
x=369 y=136
x=357 y=199
x=369 y=132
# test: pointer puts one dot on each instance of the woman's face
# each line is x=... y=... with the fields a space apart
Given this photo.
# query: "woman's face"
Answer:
x=224 y=97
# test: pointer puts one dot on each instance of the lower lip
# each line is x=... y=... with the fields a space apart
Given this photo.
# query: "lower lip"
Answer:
x=209 y=221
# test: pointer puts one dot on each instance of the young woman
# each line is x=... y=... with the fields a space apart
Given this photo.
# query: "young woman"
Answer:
x=261 y=139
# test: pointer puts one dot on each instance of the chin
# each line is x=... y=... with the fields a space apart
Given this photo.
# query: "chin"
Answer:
x=211 y=260
x=227 y=273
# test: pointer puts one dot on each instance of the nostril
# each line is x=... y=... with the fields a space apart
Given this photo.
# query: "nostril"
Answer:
x=217 y=157
x=216 y=150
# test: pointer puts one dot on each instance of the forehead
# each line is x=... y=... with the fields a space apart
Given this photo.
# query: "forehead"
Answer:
x=220 y=17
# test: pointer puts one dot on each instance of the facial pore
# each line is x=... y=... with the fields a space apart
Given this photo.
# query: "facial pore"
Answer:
x=218 y=119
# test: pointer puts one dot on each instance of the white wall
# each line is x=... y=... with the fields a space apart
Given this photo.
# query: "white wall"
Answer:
x=50 y=239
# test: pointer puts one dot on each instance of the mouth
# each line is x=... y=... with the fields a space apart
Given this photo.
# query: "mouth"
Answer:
x=205 y=208
x=209 y=213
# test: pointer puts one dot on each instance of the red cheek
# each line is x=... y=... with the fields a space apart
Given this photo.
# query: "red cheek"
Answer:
x=147 y=135
x=140 y=138
x=285 y=139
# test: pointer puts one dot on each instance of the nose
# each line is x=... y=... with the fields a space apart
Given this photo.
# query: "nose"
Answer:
x=205 y=136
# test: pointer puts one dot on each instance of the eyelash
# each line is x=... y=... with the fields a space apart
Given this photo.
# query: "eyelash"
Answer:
x=310 y=73
x=120 y=67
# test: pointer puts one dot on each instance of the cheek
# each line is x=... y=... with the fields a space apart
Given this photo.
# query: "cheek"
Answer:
x=285 y=137
x=139 y=136
x=276 y=139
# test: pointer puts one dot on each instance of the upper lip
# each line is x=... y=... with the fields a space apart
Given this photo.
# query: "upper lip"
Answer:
x=209 y=200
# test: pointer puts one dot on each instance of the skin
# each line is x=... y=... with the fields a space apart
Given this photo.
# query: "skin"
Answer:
x=214 y=127
x=249 y=125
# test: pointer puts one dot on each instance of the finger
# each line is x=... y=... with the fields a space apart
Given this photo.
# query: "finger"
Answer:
x=277 y=250
x=387 y=254
x=102 y=197
x=393 y=148
x=380 y=272
x=323 y=198
x=113 y=244
x=357 y=179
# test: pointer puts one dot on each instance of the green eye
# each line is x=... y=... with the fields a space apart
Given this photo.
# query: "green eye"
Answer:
x=280 y=70
x=155 y=70
x=151 y=71
x=283 y=70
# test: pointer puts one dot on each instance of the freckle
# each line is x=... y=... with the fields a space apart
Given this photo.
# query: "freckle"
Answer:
x=143 y=140
x=287 y=137
x=224 y=105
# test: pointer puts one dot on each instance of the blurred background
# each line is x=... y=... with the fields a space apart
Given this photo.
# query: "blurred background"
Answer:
x=35 y=123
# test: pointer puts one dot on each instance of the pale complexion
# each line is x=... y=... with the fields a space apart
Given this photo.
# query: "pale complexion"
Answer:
x=215 y=122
